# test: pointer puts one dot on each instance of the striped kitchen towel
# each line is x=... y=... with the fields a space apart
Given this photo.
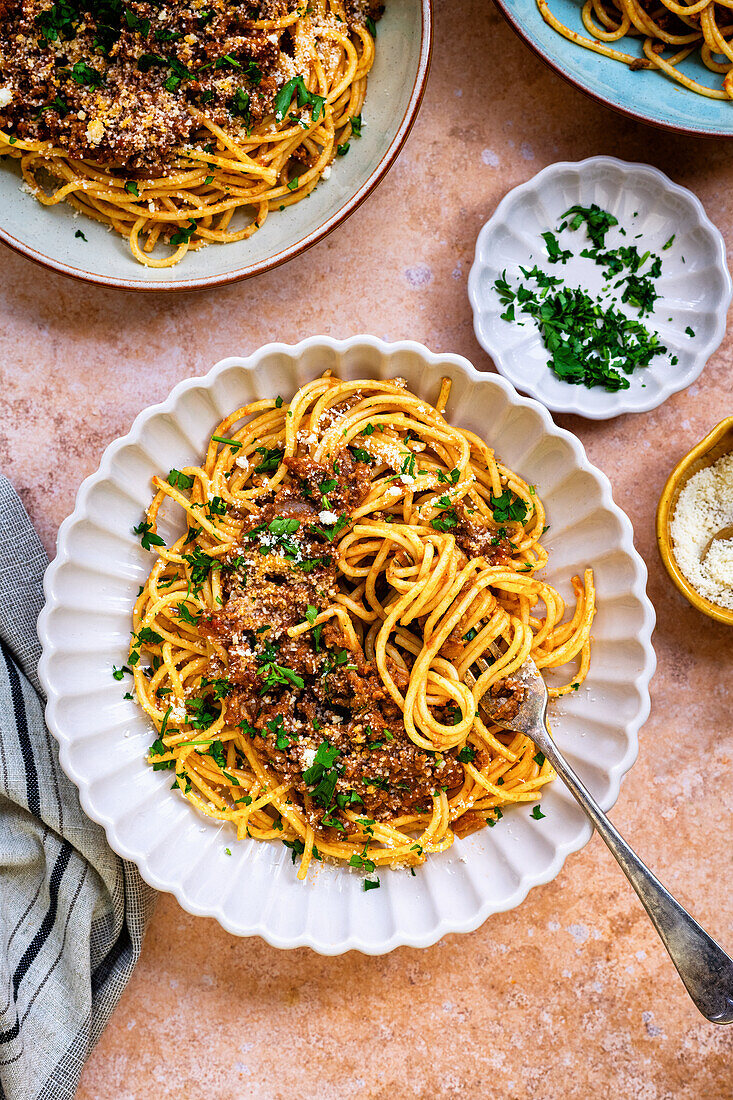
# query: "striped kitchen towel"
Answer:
x=72 y=914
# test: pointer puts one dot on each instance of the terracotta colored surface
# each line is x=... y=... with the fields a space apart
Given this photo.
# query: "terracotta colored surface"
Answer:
x=571 y=995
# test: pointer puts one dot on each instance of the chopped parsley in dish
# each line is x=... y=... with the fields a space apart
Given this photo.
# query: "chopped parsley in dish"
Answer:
x=591 y=341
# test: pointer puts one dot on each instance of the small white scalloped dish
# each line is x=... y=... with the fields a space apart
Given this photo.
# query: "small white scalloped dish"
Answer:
x=85 y=627
x=694 y=287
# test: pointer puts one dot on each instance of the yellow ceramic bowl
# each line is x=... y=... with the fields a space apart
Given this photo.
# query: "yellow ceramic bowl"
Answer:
x=716 y=443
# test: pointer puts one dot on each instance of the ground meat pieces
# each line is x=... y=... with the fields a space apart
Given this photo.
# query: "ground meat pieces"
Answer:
x=347 y=481
x=478 y=540
x=359 y=11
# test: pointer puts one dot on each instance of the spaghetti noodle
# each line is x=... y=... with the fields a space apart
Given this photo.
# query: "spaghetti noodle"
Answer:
x=347 y=557
x=181 y=124
x=684 y=28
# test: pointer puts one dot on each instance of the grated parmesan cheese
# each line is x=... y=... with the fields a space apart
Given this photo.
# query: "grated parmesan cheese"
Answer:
x=95 y=131
x=704 y=507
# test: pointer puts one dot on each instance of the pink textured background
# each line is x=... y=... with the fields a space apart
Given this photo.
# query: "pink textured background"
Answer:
x=571 y=995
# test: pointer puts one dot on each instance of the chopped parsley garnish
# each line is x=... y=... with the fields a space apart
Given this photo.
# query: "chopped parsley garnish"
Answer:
x=147 y=636
x=639 y=292
x=448 y=517
x=79 y=233
x=450 y=478
x=539 y=758
x=589 y=344
x=335 y=659
x=239 y=104
x=537 y=813
x=323 y=760
x=179 y=480
x=184 y=234
x=360 y=455
x=467 y=754
x=330 y=530
x=311 y=615
x=362 y=861
x=148 y=537
x=296 y=846
x=408 y=464
x=118 y=673
x=508 y=507
x=159 y=749
x=281 y=525
x=201 y=565
x=272 y=457
x=85 y=74
x=597 y=222
x=555 y=254
x=276 y=726
x=233 y=443
x=200 y=715
x=275 y=674
x=690 y=331
x=296 y=87
x=322 y=775
x=186 y=616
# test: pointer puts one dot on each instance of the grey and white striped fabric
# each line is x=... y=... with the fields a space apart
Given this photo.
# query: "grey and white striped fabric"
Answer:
x=72 y=914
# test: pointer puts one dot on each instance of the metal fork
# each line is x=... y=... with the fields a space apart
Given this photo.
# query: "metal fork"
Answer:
x=705 y=968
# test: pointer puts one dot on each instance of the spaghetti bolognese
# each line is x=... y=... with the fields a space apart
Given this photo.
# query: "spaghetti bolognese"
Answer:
x=301 y=647
x=181 y=123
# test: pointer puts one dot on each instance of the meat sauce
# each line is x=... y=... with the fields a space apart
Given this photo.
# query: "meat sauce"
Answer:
x=293 y=696
x=119 y=82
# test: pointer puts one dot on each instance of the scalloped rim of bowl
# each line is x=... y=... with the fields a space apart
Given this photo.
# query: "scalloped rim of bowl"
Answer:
x=297 y=247
x=574 y=404
x=400 y=936
x=687 y=467
x=577 y=82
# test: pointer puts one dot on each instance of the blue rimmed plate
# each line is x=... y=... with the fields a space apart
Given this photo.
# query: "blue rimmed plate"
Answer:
x=645 y=95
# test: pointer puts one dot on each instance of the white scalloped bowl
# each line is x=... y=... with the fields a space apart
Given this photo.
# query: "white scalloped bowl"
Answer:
x=85 y=626
x=695 y=285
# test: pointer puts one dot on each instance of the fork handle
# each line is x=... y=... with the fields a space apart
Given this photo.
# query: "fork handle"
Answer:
x=703 y=965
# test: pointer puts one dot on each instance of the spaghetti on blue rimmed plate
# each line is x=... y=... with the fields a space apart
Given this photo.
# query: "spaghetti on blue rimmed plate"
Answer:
x=301 y=647
x=702 y=27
